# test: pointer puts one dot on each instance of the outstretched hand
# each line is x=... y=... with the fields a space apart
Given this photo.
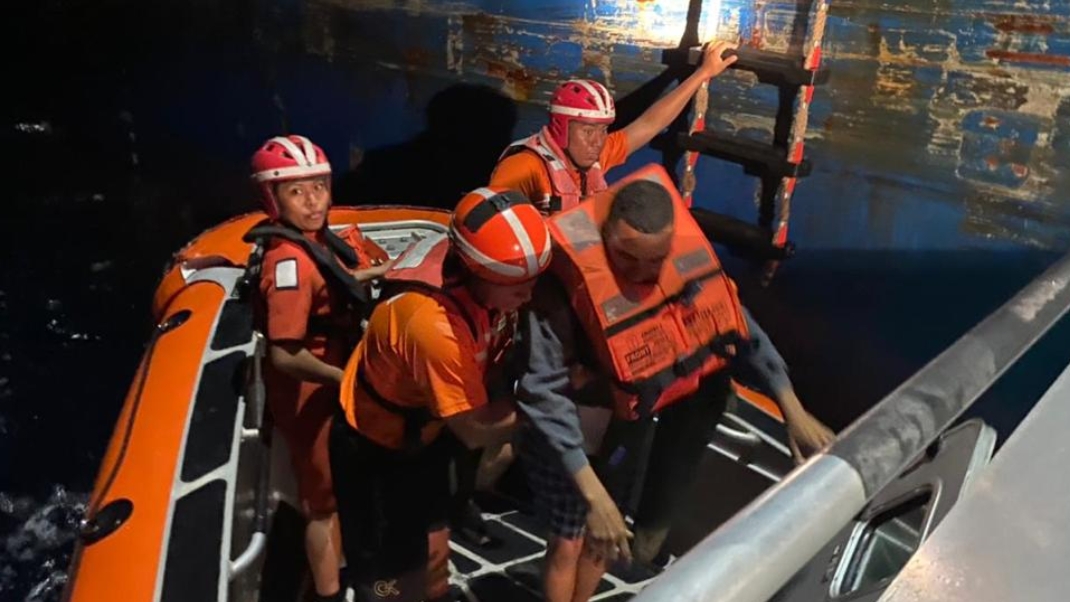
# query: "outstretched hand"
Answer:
x=713 y=61
x=607 y=535
x=807 y=434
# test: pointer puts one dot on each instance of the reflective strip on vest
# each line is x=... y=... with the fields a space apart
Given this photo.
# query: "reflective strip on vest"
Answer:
x=579 y=230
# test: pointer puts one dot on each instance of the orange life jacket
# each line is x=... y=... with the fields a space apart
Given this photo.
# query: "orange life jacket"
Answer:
x=565 y=194
x=656 y=347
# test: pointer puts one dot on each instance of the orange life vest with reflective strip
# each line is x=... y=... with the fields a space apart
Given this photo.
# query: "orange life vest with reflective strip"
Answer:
x=657 y=346
x=421 y=270
x=566 y=194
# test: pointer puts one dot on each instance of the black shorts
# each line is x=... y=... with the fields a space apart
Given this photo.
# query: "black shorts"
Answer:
x=388 y=501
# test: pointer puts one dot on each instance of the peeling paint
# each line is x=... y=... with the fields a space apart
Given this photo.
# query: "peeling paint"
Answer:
x=1033 y=58
x=455 y=44
x=1040 y=24
x=906 y=78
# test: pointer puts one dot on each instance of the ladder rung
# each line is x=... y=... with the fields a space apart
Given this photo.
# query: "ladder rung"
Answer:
x=756 y=158
x=743 y=238
x=770 y=67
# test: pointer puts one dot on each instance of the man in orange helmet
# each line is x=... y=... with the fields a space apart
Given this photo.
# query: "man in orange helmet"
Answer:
x=566 y=161
x=635 y=315
x=312 y=287
x=421 y=366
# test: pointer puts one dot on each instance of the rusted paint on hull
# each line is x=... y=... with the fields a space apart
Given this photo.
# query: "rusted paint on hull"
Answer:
x=962 y=104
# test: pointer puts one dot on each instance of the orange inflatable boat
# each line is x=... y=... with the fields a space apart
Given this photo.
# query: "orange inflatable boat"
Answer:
x=193 y=500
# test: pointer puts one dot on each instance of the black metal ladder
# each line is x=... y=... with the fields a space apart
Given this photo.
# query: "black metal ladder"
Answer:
x=779 y=164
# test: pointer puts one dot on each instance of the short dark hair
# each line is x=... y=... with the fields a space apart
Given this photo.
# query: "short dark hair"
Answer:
x=643 y=205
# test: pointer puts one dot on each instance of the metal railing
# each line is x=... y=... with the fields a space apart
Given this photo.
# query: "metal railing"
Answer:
x=754 y=554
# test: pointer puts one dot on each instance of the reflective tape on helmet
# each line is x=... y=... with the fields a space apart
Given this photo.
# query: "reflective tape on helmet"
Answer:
x=506 y=270
x=293 y=172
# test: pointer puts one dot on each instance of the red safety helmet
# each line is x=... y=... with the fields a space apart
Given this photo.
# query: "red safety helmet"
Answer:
x=500 y=236
x=582 y=99
x=282 y=159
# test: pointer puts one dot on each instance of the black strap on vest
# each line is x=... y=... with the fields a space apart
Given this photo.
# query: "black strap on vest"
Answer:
x=690 y=288
x=650 y=389
x=336 y=277
x=415 y=418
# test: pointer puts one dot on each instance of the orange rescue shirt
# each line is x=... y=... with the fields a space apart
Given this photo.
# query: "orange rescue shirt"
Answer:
x=293 y=290
x=527 y=173
x=416 y=353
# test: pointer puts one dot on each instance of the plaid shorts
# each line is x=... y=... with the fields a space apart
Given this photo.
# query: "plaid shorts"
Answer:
x=557 y=500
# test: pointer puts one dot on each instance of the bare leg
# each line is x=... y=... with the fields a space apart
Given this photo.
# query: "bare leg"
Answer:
x=438 y=563
x=588 y=574
x=322 y=545
x=559 y=572
x=492 y=465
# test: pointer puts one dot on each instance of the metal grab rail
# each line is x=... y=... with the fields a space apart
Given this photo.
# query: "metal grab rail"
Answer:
x=754 y=554
x=256 y=396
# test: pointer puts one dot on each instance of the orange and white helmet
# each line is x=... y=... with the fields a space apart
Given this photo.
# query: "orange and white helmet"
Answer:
x=500 y=236
x=286 y=158
x=582 y=100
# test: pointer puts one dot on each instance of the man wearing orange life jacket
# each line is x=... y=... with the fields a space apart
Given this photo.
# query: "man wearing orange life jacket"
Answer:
x=311 y=289
x=636 y=294
x=420 y=368
x=566 y=160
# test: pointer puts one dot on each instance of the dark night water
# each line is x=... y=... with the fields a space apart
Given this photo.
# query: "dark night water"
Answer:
x=84 y=239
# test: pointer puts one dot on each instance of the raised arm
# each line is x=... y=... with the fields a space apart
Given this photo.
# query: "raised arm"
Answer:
x=668 y=107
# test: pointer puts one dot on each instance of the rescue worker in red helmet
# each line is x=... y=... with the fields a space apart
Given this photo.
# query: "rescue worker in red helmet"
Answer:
x=311 y=288
x=419 y=369
x=567 y=159
x=637 y=302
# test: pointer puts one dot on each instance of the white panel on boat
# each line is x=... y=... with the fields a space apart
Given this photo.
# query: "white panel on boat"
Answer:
x=1008 y=538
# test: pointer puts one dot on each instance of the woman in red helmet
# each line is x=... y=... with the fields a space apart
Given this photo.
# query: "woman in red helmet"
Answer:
x=420 y=368
x=311 y=289
x=566 y=160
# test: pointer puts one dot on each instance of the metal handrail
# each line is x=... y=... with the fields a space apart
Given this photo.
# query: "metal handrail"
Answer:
x=754 y=554
x=256 y=398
